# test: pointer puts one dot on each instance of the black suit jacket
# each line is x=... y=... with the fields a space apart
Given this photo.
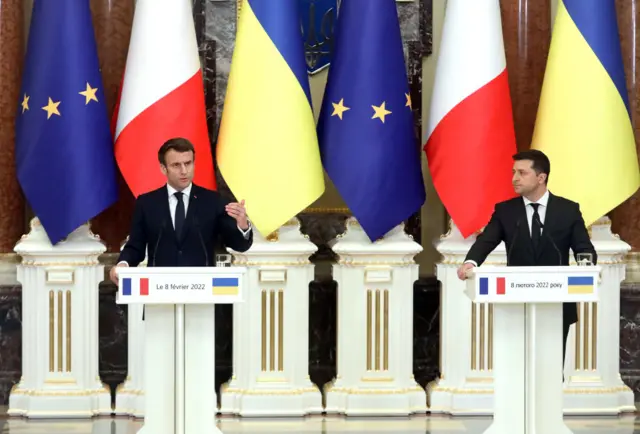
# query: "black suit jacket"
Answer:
x=563 y=224
x=205 y=221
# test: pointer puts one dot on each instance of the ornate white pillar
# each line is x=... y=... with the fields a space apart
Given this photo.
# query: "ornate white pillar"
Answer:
x=592 y=369
x=130 y=394
x=59 y=327
x=375 y=325
x=271 y=329
x=466 y=336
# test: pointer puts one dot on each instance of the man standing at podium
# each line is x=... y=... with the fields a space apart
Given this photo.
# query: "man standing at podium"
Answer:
x=538 y=228
x=180 y=222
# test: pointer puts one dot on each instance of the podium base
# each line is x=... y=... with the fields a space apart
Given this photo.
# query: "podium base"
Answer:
x=129 y=402
x=365 y=401
x=59 y=404
x=271 y=402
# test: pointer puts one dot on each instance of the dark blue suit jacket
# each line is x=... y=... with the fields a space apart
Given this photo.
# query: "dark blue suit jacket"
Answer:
x=205 y=221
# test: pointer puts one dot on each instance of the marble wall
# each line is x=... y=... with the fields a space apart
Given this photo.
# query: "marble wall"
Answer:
x=630 y=336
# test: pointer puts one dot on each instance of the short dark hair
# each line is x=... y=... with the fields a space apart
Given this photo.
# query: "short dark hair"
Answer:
x=178 y=144
x=541 y=163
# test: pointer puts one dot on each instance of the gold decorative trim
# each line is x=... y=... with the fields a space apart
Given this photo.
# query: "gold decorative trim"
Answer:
x=281 y=330
x=35 y=263
x=243 y=261
x=482 y=334
x=473 y=337
x=33 y=392
x=326 y=210
x=376 y=379
x=490 y=349
x=60 y=327
x=594 y=336
x=60 y=381
x=385 y=331
x=585 y=336
x=52 y=366
x=68 y=343
x=264 y=331
x=377 y=343
x=274 y=392
x=369 y=331
x=578 y=365
x=272 y=330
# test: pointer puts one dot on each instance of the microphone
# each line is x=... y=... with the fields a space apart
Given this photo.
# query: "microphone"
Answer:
x=204 y=248
x=544 y=233
x=155 y=250
x=514 y=242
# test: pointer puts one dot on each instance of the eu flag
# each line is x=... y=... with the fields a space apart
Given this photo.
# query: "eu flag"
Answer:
x=64 y=149
x=367 y=140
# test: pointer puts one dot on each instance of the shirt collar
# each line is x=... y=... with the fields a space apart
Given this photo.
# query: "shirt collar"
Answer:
x=542 y=201
x=171 y=191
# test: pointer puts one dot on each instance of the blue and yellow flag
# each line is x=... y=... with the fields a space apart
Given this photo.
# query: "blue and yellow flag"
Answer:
x=367 y=138
x=64 y=149
x=584 y=121
x=267 y=149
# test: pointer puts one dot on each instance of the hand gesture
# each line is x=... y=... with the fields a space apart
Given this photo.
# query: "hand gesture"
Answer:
x=464 y=269
x=238 y=213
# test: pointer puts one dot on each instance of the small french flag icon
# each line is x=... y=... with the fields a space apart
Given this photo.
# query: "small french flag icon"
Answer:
x=499 y=285
x=140 y=285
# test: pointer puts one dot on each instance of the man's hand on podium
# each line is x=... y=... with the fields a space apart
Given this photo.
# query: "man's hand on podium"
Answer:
x=113 y=274
x=464 y=270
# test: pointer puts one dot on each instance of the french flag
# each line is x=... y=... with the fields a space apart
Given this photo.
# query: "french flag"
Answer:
x=471 y=137
x=495 y=285
x=162 y=95
x=135 y=286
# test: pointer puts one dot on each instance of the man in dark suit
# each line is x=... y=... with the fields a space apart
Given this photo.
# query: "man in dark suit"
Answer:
x=179 y=223
x=538 y=228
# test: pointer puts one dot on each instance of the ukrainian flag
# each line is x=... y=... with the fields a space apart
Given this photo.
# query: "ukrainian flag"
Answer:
x=225 y=286
x=267 y=149
x=580 y=285
x=584 y=121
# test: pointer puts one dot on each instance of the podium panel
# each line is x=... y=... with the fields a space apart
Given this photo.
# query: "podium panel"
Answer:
x=179 y=341
x=527 y=350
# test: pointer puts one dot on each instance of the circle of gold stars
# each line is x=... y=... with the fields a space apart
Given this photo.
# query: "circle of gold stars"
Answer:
x=52 y=107
x=379 y=112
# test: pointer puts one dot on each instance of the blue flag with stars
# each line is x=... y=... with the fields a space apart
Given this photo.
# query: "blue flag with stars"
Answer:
x=64 y=149
x=367 y=139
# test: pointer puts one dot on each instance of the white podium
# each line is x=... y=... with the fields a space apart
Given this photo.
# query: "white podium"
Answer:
x=527 y=348
x=179 y=357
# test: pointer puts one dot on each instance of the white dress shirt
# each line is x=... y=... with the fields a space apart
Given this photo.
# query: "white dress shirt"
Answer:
x=542 y=209
x=173 y=201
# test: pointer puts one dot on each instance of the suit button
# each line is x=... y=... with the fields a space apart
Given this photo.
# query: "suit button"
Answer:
x=179 y=252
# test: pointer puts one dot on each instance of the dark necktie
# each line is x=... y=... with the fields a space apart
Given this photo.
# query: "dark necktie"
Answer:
x=180 y=214
x=535 y=226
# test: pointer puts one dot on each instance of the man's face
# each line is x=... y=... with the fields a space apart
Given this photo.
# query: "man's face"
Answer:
x=525 y=180
x=178 y=168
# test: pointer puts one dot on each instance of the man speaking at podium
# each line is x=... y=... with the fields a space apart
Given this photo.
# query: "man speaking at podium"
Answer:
x=538 y=228
x=180 y=222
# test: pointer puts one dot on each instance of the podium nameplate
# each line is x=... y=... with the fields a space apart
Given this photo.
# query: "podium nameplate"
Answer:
x=534 y=284
x=171 y=285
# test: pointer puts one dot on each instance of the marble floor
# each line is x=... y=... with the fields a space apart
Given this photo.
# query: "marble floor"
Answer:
x=319 y=425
